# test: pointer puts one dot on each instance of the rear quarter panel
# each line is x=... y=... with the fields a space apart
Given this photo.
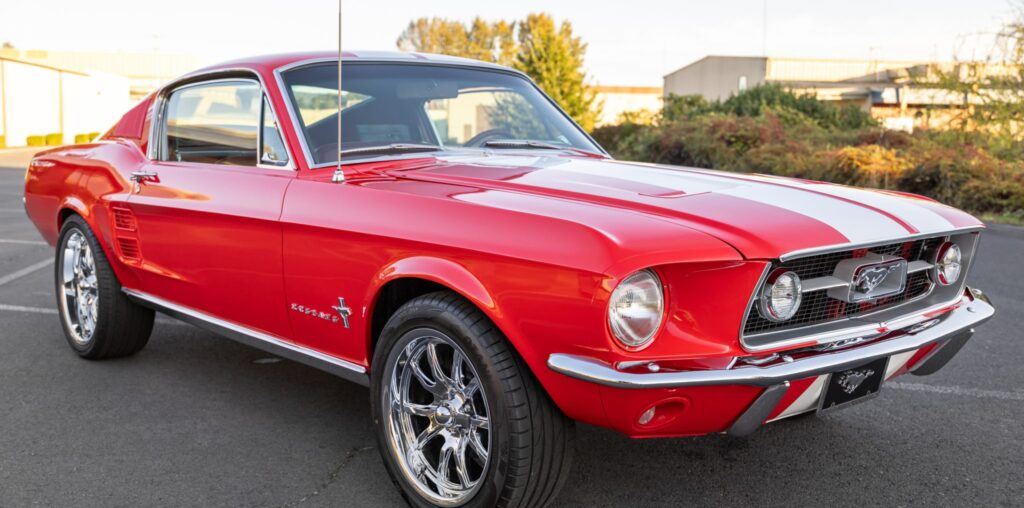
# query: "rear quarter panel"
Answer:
x=84 y=180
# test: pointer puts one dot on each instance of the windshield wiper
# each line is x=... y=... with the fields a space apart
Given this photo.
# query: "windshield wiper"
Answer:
x=392 y=148
x=522 y=143
x=531 y=144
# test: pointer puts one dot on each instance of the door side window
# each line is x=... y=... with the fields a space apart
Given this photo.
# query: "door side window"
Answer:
x=213 y=123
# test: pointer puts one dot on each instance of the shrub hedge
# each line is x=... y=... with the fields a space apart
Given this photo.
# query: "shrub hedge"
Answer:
x=772 y=131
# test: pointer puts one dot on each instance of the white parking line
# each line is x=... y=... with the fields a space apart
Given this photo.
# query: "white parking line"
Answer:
x=25 y=271
x=45 y=310
x=956 y=390
x=34 y=310
x=23 y=242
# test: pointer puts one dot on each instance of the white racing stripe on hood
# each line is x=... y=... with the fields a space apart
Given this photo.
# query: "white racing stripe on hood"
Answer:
x=856 y=223
x=674 y=180
x=923 y=219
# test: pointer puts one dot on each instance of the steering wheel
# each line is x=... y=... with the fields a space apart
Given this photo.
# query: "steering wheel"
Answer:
x=487 y=135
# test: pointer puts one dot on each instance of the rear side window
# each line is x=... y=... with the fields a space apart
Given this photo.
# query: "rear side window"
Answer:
x=222 y=122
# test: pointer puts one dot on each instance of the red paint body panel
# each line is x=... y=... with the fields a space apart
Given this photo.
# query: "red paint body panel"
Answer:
x=536 y=242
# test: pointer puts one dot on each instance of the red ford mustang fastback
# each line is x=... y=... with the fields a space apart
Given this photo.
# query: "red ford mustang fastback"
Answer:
x=486 y=268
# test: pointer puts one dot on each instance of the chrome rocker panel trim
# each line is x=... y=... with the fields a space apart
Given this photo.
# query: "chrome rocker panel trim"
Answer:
x=259 y=340
x=957 y=322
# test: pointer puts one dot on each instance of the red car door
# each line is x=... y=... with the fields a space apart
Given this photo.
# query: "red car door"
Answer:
x=207 y=208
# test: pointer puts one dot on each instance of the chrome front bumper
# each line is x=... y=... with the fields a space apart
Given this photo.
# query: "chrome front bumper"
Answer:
x=952 y=330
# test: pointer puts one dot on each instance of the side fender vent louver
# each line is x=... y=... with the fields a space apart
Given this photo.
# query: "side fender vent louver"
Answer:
x=126 y=234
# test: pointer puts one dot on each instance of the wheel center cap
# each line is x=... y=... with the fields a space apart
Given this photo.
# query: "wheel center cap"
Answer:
x=443 y=415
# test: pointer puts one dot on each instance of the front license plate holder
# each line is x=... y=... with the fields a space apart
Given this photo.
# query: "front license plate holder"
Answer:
x=853 y=385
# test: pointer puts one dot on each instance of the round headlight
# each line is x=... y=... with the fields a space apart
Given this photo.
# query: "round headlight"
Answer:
x=780 y=297
x=636 y=309
x=947 y=264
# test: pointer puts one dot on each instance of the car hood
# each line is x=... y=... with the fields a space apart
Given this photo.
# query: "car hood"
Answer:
x=763 y=217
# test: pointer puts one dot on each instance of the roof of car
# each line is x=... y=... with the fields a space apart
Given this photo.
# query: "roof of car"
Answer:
x=286 y=59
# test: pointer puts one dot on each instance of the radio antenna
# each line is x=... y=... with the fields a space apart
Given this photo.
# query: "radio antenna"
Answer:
x=339 y=175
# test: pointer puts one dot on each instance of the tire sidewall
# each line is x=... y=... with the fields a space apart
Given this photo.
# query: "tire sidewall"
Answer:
x=395 y=336
x=105 y=293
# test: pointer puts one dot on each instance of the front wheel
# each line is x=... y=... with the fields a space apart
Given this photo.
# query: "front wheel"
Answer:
x=460 y=420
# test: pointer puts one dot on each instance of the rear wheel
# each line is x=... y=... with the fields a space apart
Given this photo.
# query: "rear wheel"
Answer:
x=460 y=420
x=99 y=320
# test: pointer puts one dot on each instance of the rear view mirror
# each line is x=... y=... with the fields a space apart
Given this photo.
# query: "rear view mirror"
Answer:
x=427 y=89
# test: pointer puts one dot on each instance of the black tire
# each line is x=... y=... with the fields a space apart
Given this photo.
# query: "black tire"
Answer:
x=122 y=327
x=531 y=441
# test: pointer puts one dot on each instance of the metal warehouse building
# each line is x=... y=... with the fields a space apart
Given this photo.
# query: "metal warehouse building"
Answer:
x=41 y=104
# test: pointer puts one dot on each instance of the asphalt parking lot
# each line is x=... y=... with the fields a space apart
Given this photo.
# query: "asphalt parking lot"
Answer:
x=197 y=420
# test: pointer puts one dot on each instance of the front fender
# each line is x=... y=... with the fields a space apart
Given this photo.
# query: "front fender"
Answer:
x=442 y=271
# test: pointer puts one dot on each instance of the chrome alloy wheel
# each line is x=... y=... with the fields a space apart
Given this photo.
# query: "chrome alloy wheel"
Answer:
x=80 y=302
x=437 y=419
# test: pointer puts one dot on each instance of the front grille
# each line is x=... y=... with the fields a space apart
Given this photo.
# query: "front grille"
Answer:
x=817 y=307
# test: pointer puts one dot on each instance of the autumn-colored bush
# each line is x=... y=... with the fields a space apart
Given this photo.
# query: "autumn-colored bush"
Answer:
x=763 y=131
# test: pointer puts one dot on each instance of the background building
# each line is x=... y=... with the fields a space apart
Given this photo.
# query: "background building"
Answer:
x=621 y=99
x=895 y=92
x=57 y=97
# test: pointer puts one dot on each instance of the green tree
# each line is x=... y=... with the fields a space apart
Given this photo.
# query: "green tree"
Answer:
x=553 y=57
x=992 y=89
x=549 y=54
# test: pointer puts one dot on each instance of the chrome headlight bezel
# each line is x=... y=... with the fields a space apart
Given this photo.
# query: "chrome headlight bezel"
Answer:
x=780 y=280
x=641 y=332
x=948 y=264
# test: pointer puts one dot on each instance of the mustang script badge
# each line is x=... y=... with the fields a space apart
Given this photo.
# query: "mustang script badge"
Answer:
x=851 y=379
x=343 y=312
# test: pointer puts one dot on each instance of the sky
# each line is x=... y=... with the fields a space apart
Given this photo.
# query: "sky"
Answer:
x=633 y=42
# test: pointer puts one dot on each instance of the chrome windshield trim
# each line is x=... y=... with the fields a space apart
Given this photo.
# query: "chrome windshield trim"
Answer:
x=253 y=338
x=482 y=66
x=955 y=323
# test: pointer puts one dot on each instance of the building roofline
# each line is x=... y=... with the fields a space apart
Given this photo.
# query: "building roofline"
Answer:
x=709 y=57
x=42 y=65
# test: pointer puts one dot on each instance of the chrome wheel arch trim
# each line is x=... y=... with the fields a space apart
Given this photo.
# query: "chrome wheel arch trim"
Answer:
x=253 y=338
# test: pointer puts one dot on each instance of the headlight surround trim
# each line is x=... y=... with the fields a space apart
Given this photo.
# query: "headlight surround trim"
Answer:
x=948 y=264
x=780 y=279
x=639 y=333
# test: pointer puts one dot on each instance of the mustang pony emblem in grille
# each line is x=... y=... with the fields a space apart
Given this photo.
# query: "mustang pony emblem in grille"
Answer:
x=870 y=278
x=852 y=379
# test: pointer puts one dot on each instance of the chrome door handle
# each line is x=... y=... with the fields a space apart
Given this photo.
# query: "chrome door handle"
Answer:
x=143 y=176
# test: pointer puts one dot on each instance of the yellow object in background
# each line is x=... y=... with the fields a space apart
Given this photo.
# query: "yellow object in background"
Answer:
x=35 y=141
x=55 y=139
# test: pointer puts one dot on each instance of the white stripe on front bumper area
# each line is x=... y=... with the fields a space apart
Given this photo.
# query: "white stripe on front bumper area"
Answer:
x=808 y=401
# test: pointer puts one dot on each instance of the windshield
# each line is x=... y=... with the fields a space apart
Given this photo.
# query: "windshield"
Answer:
x=384 y=105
